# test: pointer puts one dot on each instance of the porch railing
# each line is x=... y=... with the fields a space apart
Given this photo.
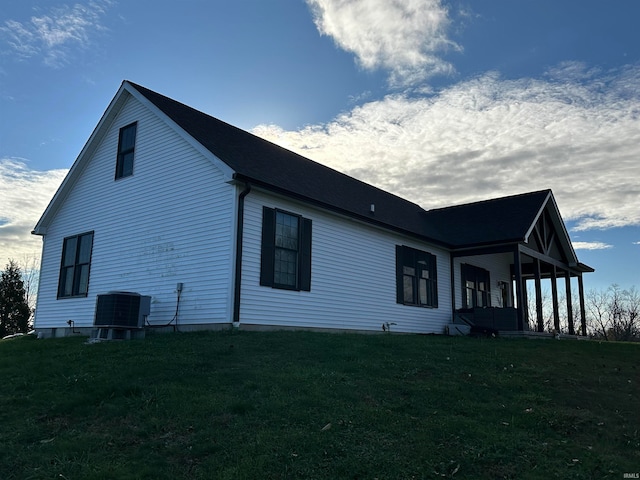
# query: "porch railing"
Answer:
x=505 y=319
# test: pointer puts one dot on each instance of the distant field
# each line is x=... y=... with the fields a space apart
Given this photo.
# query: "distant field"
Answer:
x=301 y=405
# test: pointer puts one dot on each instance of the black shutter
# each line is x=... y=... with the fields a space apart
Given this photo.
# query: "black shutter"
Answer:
x=434 y=274
x=399 y=274
x=268 y=246
x=487 y=288
x=305 y=255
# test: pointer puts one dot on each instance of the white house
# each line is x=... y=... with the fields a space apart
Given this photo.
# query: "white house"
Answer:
x=219 y=227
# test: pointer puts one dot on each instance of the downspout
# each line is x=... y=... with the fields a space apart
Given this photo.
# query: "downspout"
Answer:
x=238 y=273
x=453 y=288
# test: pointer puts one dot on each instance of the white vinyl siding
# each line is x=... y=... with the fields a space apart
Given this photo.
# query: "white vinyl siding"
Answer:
x=499 y=267
x=353 y=277
x=171 y=221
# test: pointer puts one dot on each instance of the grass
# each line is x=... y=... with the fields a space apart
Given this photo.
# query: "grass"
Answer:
x=278 y=405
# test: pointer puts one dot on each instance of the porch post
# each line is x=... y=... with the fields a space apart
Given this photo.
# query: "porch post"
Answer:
x=554 y=295
x=517 y=273
x=567 y=284
x=525 y=302
x=583 y=315
x=536 y=269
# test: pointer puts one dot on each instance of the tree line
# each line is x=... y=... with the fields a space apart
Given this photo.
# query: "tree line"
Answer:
x=612 y=313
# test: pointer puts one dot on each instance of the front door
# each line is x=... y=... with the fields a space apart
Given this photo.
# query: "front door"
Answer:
x=475 y=286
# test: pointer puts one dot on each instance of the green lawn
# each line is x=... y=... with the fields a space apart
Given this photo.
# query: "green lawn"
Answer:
x=313 y=405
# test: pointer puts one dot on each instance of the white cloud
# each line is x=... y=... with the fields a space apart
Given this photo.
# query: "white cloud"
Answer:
x=636 y=243
x=404 y=37
x=53 y=34
x=591 y=246
x=577 y=133
x=25 y=194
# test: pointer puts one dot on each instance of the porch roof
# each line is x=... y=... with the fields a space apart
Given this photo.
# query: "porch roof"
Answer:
x=497 y=221
x=531 y=220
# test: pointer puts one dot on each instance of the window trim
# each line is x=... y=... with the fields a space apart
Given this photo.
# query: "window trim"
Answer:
x=268 y=251
x=75 y=277
x=120 y=174
x=420 y=261
x=295 y=251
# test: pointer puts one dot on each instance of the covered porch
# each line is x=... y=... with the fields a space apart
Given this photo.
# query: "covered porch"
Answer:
x=533 y=267
x=507 y=309
x=504 y=250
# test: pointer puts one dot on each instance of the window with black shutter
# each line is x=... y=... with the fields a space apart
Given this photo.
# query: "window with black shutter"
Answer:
x=286 y=250
x=416 y=277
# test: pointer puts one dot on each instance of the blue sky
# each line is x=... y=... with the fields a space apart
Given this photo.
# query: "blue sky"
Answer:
x=441 y=102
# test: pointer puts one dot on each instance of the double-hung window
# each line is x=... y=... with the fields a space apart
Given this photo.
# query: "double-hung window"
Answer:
x=286 y=250
x=416 y=277
x=126 y=149
x=75 y=266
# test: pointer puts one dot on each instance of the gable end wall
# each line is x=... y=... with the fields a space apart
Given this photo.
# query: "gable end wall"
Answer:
x=172 y=221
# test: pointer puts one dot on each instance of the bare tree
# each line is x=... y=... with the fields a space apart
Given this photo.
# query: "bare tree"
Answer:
x=633 y=311
x=624 y=306
x=30 y=268
x=598 y=315
x=614 y=313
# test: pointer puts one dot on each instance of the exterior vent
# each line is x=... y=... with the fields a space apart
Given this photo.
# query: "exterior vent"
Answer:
x=121 y=310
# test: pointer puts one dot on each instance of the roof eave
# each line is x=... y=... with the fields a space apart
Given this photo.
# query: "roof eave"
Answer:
x=370 y=219
x=584 y=268
x=475 y=245
x=226 y=170
x=80 y=162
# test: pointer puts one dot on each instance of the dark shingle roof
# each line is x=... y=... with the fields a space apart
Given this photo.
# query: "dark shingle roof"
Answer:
x=263 y=163
x=501 y=220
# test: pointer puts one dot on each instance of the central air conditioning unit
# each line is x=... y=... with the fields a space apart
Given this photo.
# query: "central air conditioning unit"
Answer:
x=123 y=310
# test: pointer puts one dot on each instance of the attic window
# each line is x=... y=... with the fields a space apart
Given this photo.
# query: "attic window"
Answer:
x=126 y=148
